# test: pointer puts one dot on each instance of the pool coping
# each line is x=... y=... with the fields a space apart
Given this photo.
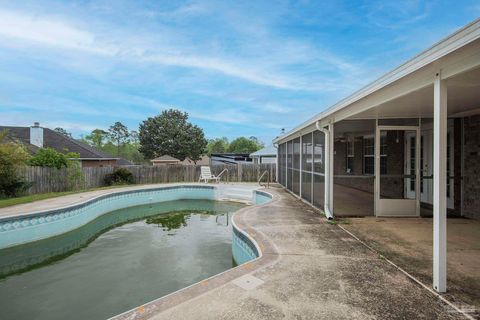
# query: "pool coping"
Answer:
x=268 y=255
x=96 y=198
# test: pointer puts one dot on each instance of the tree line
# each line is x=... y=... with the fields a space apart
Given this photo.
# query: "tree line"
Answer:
x=169 y=133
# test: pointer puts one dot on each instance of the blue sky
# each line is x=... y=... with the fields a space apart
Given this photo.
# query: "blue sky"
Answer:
x=239 y=68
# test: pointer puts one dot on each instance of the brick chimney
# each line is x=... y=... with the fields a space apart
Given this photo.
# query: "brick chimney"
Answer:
x=36 y=135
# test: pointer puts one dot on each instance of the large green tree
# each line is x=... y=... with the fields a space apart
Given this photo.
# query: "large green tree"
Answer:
x=63 y=132
x=119 y=135
x=218 y=145
x=101 y=140
x=97 y=138
x=244 y=145
x=170 y=133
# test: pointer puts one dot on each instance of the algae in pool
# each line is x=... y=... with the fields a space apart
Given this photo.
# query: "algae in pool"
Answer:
x=121 y=260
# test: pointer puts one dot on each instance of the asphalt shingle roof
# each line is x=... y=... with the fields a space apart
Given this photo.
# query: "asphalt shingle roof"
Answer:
x=57 y=141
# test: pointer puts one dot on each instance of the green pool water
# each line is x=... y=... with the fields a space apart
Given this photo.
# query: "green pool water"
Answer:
x=121 y=260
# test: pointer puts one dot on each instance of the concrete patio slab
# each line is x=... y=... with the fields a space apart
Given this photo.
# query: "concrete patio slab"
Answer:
x=408 y=242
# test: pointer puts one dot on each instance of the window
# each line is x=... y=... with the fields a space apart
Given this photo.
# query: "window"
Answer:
x=307 y=152
x=369 y=154
x=413 y=147
x=350 y=155
x=421 y=163
x=318 y=151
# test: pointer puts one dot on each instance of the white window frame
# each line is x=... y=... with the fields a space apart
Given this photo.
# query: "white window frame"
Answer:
x=382 y=148
x=350 y=154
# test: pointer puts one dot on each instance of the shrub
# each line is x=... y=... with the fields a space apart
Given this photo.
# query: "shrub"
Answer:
x=48 y=157
x=13 y=186
x=51 y=158
x=12 y=156
x=119 y=176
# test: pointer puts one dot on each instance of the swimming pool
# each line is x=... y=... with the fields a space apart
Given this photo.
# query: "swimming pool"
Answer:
x=123 y=257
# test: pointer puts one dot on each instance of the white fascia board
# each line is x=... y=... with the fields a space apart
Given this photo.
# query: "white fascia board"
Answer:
x=458 y=39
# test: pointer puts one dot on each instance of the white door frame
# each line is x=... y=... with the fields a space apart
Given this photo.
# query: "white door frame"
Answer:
x=397 y=207
x=427 y=134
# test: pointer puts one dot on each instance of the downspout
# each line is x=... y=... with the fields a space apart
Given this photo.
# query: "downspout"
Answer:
x=328 y=212
x=275 y=145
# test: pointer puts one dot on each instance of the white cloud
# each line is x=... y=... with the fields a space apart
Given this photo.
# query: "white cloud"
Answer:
x=183 y=11
x=397 y=14
x=275 y=108
x=260 y=77
x=15 y=119
x=48 y=32
x=265 y=69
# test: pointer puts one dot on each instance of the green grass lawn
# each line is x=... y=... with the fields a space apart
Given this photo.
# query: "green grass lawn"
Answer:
x=35 y=197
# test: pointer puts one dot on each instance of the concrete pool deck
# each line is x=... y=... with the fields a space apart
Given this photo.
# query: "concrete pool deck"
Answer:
x=309 y=269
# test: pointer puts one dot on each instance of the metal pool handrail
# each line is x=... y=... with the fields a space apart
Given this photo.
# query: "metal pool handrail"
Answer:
x=223 y=171
x=266 y=172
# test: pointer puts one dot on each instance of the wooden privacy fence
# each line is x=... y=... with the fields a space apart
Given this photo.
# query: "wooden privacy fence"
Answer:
x=43 y=179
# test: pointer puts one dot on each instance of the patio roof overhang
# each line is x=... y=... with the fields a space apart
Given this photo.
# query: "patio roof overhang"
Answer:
x=407 y=91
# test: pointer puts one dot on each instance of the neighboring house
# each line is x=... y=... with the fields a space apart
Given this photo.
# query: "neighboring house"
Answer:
x=37 y=137
x=230 y=158
x=265 y=155
x=204 y=161
x=164 y=160
x=407 y=144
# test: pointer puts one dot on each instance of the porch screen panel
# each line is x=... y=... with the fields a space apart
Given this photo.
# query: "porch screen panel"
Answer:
x=281 y=164
x=318 y=167
x=398 y=173
x=289 y=164
x=307 y=166
x=296 y=167
x=354 y=167
x=284 y=164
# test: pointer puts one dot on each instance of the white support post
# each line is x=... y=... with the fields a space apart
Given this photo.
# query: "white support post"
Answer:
x=286 y=164
x=328 y=176
x=439 y=184
x=276 y=163
x=301 y=168
x=330 y=154
x=377 y=169
x=312 y=177
x=326 y=157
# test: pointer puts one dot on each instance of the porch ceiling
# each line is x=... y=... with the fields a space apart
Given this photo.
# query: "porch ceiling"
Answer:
x=463 y=99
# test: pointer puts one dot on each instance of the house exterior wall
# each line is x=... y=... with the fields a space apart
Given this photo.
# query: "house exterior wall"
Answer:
x=390 y=187
x=457 y=166
x=471 y=204
x=98 y=163
x=394 y=187
x=164 y=163
x=265 y=159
